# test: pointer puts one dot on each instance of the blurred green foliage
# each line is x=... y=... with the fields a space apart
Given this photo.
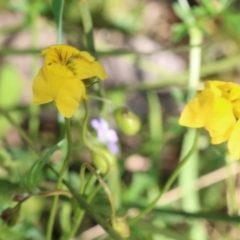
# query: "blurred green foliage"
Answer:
x=148 y=158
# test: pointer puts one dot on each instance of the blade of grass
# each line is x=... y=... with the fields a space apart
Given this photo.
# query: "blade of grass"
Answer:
x=189 y=173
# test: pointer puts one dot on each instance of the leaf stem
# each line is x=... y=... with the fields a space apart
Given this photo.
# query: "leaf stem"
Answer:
x=169 y=183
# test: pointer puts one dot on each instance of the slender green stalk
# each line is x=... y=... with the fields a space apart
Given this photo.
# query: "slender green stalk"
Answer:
x=82 y=203
x=84 y=133
x=88 y=32
x=189 y=173
x=80 y=212
x=84 y=129
x=169 y=183
x=34 y=109
x=231 y=188
x=85 y=205
x=57 y=6
x=105 y=187
x=60 y=179
x=87 y=26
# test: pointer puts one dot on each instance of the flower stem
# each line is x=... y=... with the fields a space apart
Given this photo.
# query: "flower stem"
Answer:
x=168 y=183
x=85 y=205
x=80 y=212
x=87 y=26
x=59 y=182
x=88 y=31
x=84 y=133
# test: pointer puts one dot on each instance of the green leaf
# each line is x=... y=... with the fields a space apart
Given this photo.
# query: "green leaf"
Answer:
x=139 y=184
x=181 y=13
x=180 y=31
x=7 y=187
x=209 y=6
x=161 y=231
x=34 y=175
x=57 y=7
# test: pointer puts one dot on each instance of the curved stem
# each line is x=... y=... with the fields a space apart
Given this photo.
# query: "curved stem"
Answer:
x=169 y=183
x=80 y=212
x=84 y=134
x=105 y=187
x=59 y=182
x=84 y=129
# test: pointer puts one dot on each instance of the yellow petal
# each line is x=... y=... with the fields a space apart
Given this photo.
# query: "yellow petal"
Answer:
x=41 y=92
x=220 y=137
x=231 y=91
x=63 y=53
x=220 y=118
x=214 y=86
x=195 y=112
x=236 y=108
x=87 y=56
x=69 y=96
x=56 y=75
x=234 y=142
x=99 y=70
x=84 y=69
x=228 y=90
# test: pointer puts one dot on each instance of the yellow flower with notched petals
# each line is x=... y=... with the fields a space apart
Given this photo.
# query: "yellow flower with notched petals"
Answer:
x=61 y=79
x=217 y=109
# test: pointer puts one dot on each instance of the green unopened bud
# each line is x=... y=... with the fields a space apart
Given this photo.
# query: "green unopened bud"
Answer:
x=128 y=122
x=121 y=227
x=103 y=160
x=11 y=215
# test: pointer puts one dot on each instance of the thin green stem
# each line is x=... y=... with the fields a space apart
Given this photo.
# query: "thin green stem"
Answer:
x=57 y=6
x=87 y=26
x=82 y=203
x=80 y=212
x=231 y=188
x=105 y=187
x=88 y=32
x=169 y=183
x=84 y=129
x=85 y=205
x=84 y=134
x=34 y=109
x=60 y=179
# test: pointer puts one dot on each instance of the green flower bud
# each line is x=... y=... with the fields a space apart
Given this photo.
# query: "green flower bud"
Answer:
x=121 y=227
x=103 y=160
x=11 y=215
x=128 y=122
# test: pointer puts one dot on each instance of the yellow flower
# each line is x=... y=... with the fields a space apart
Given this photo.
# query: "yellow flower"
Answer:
x=61 y=79
x=217 y=109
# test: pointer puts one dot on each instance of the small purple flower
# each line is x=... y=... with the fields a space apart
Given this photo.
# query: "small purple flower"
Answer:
x=105 y=134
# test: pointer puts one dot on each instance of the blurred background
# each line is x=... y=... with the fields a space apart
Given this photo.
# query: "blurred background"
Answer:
x=144 y=47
